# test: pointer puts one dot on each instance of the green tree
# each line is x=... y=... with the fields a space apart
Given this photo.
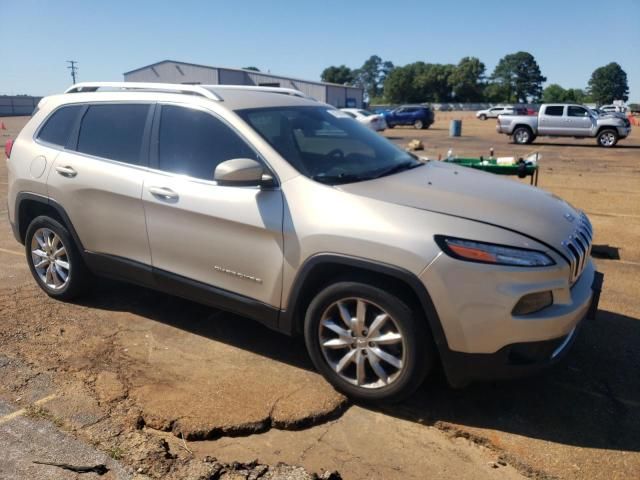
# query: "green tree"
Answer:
x=399 y=86
x=432 y=82
x=467 y=80
x=577 y=95
x=372 y=75
x=496 y=93
x=519 y=74
x=554 y=93
x=342 y=75
x=419 y=82
x=255 y=69
x=609 y=83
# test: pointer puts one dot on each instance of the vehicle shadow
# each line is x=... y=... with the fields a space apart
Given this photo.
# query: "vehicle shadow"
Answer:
x=591 y=400
x=621 y=145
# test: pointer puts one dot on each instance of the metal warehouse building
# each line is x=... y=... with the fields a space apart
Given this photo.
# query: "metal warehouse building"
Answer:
x=171 y=71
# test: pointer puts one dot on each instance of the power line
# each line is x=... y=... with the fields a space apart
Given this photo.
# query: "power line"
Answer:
x=74 y=69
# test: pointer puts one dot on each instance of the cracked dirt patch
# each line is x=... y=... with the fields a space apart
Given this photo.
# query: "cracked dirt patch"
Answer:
x=197 y=386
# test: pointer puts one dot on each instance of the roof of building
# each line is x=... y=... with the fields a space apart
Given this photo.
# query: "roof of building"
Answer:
x=240 y=70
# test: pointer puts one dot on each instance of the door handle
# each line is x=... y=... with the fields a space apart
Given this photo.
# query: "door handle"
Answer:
x=68 y=172
x=163 y=193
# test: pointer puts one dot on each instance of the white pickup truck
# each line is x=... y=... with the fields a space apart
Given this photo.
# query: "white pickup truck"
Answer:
x=565 y=120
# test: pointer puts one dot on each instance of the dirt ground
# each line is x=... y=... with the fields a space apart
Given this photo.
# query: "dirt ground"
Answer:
x=162 y=385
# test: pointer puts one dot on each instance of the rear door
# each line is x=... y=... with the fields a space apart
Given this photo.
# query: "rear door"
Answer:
x=552 y=120
x=580 y=123
x=227 y=237
x=98 y=179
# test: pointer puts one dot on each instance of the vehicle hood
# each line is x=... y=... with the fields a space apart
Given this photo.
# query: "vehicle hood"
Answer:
x=478 y=196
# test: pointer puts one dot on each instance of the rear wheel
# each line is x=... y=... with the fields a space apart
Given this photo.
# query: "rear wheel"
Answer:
x=522 y=136
x=367 y=343
x=418 y=124
x=607 y=138
x=54 y=259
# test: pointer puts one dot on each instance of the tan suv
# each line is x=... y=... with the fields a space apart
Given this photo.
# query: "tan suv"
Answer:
x=283 y=209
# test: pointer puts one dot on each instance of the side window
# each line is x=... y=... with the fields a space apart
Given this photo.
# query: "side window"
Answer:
x=554 y=110
x=577 y=112
x=193 y=142
x=59 y=125
x=113 y=131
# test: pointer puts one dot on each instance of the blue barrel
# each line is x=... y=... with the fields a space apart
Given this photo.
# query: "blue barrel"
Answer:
x=455 y=128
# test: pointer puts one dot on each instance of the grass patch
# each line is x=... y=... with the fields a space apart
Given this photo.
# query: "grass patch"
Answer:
x=37 y=412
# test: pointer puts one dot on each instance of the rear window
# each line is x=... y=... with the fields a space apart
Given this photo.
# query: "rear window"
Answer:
x=113 y=131
x=555 y=111
x=59 y=125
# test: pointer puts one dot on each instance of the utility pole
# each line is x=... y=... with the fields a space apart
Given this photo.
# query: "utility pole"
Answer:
x=73 y=66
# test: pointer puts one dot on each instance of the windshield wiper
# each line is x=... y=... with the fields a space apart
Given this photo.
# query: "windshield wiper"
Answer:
x=338 y=179
x=401 y=167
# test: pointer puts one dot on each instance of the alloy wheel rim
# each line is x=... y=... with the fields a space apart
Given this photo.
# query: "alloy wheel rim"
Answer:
x=49 y=258
x=607 y=139
x=522 y=136
x=362 y=343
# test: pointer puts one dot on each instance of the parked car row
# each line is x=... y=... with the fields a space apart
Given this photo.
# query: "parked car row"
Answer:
x=417 y=116
x=494 y=112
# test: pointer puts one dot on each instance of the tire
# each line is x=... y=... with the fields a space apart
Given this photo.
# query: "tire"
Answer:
x=418 y=124
x=522 y=136
x=390 y=126
x=391 y=370
x=47 y=240
x=607 y=138
x=482 y=117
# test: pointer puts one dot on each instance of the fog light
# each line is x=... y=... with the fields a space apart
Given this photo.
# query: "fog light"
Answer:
x=533 y=302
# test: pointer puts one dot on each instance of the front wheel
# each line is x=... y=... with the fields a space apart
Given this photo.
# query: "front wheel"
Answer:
x=367 y=342
x=482 y=117
x=54 y=259
x=522 y=136
x=418 y=124
x=607 y=138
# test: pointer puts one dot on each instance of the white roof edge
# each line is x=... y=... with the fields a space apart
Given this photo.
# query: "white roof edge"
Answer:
x=207 y=91
x=150 y=86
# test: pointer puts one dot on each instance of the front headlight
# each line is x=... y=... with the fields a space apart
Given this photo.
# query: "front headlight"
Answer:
x=491 y=253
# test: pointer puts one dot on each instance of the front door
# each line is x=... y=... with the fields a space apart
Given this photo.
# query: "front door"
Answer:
x=579 y=121
x=221 y=236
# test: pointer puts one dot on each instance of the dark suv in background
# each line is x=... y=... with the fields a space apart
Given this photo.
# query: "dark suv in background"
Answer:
x=419 y=116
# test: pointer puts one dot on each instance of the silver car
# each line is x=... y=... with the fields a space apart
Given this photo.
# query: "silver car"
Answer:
x=274 y=206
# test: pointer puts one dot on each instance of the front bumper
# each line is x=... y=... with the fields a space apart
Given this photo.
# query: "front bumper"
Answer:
x=518 y=359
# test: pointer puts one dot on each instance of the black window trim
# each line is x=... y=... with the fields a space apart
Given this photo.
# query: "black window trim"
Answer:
x=562 y=114
x=72 y=142
x=55 y=146
x=154 y=148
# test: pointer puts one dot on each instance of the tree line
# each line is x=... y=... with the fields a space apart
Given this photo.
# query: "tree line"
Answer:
x=517 y=78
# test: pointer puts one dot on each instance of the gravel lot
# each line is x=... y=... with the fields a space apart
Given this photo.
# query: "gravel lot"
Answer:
x=162 y=385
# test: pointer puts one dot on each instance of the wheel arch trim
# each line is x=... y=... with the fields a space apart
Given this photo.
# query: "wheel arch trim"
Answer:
x=289 y=316
x=21 y=230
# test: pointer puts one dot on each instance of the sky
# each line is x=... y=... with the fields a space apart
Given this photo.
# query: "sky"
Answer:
x=568 y=38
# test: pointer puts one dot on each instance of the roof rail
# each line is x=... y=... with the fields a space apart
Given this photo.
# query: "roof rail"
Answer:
x=143 y=86
x=283 y=90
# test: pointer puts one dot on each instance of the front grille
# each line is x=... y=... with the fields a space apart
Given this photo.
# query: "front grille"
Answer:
x=578 y=246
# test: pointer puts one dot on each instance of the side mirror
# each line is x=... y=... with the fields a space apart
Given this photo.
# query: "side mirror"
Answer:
x=242 y=172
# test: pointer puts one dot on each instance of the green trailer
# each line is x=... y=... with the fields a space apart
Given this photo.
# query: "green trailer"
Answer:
x=522 y=168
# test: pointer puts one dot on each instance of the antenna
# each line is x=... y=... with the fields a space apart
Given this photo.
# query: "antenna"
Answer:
x=73 y=66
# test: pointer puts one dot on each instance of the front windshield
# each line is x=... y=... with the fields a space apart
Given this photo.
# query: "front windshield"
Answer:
x=366 y=113
x=328 y=145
